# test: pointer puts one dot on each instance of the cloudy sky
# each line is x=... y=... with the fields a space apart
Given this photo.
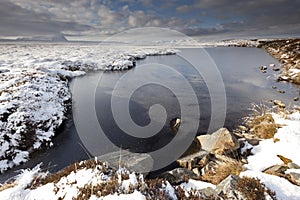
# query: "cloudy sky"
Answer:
x=94 y=18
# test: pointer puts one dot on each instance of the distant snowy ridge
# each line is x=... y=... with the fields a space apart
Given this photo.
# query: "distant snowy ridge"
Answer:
x=44 y=38
x=74 y=57
x=34 y=92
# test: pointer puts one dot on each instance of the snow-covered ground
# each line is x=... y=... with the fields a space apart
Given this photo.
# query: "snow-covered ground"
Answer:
x=74 y=57
x=265 y=155
x=107 y=184
x=34 y=92
x=32 y=105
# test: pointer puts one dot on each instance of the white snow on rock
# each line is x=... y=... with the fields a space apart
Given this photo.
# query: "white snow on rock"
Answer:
x=265 y=156
x=195 y=185
x=34 y=91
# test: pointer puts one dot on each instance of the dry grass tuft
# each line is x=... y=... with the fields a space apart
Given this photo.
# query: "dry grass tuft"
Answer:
x=261 y=123
x=101 y=189
x=219 y=170
x=54 y=178
x=253 y=189
x=7 y=186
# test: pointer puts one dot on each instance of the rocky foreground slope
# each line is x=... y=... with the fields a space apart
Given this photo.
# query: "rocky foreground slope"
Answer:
x=256 y=161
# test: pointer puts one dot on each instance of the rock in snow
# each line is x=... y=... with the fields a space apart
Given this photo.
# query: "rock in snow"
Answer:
x=221 y=141
x=138 y=162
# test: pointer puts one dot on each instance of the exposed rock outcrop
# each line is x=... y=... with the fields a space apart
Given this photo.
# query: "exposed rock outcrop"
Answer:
x=220 y=142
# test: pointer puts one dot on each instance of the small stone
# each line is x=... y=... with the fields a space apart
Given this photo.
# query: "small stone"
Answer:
x=253 y=141
x=281 y=91
x=296 y=99
x=178 y=175
x=276 y=69
x=272 y=65
x=277 y=170
x=138 y=162
x=274 y=87
x=175 y=124
x=292 y=165
x=284 y=159
x=208 y=193
x=227 y=188
x=294 y=178
x=263 y=68
x=283 y=78
x=279 y=103
x=243 y=128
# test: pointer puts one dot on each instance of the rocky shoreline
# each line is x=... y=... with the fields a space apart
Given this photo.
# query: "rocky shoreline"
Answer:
x=288 y=53
x=228 y=165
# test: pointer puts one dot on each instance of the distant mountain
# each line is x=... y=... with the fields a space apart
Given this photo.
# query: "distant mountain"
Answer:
x=43 y=38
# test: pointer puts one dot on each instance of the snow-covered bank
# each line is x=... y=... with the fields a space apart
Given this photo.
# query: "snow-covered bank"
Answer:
x=34 y=92
x=75 y=57
x=273 y=159
x=33 y=105
x=94 y=180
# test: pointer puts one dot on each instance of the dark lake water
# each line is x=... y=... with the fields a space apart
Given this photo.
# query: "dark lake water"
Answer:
x=243 y=82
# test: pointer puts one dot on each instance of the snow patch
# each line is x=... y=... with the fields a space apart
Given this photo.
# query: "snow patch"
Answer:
x=265 y=156
x=288 y=144
x=284 y=189
x=195 y=185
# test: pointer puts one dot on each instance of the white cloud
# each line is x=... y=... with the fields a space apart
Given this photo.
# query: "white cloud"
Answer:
x=108 y=16
x=80 y=17
x=140 y=19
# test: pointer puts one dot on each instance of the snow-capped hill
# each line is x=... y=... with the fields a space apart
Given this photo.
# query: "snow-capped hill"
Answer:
x=44 y=38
